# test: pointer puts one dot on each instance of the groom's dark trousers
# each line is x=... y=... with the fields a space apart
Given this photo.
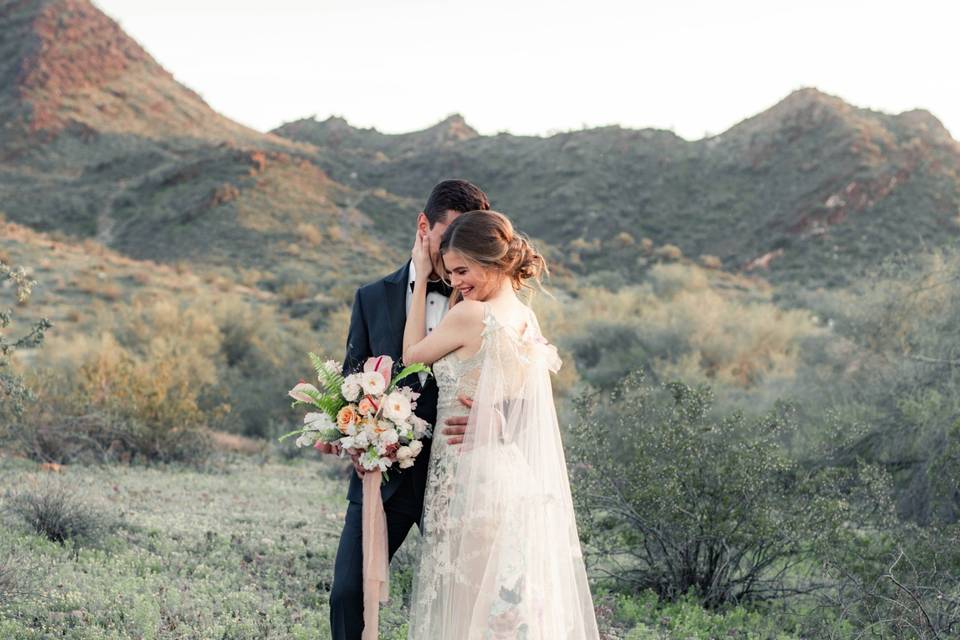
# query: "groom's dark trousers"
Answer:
x=376 y=328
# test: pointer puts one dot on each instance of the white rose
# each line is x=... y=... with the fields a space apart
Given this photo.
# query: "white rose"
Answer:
x=396 y=406
x=372 y=383
x=406 y=464
x=351 y=388
x=416 y=447
x=316 y=421
x=403 y=453
x=390 y=436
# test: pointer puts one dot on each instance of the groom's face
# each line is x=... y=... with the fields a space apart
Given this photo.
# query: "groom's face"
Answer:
x=435 y=233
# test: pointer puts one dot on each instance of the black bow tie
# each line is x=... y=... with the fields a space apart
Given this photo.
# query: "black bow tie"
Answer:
x=437 y=286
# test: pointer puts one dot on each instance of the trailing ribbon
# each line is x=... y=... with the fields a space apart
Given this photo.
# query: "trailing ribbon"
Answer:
x=376 y=576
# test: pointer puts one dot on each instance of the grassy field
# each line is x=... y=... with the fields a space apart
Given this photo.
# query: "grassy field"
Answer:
x=240 y=550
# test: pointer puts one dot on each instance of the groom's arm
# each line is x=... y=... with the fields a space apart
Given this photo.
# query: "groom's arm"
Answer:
x=358 y=340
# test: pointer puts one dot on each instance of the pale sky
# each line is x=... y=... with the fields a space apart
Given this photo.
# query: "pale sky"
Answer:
x=534 y=67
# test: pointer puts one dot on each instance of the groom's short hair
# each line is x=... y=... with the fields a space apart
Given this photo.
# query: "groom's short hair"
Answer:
x=455 y=195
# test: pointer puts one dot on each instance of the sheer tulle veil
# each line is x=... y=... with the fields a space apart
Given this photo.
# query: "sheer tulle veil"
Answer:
x=517 y=571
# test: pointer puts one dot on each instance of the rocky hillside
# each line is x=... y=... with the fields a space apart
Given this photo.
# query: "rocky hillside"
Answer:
x=100 y=142
x=810 y=191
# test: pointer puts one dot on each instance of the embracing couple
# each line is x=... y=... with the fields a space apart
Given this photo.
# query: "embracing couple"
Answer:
x=500 y=552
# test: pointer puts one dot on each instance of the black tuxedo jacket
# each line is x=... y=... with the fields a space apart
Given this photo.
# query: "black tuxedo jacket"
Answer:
x=376 y=329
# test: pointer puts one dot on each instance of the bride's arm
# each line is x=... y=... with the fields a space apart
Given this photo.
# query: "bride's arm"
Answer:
x=462 y=321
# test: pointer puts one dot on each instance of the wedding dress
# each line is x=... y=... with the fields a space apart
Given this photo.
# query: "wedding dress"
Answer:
x=500 y=553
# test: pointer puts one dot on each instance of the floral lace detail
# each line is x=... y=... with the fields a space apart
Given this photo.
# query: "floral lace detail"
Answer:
x=455 y=377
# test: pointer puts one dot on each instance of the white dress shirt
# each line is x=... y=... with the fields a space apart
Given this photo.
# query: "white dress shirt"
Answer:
x=436 y=308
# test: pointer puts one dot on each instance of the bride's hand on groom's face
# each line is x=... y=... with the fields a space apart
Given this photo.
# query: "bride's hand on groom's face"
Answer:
x=457 y=426
x=420 y=255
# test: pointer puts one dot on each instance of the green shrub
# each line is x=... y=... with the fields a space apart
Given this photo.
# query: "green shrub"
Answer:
x=13 y=393
x=61 y=515
x=16 y=576
x=676 y=500
x=902 y=584
x=895 y=377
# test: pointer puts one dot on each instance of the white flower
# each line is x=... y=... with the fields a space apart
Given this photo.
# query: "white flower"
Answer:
x=372 y=383
x=390 y=436
x=369 y=429
x=403 y=453
x=371 y=460
x=416 y=447
x=307 y=439
x=299 y=392
x=316 y=421
x=348 y=442
x=361 y=440
x=406 y=464
x=396 y=406
x=351 y=388
x=409 y=393
x=421 y=427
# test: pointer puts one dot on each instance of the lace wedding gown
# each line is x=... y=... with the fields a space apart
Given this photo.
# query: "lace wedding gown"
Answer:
x=500 y=553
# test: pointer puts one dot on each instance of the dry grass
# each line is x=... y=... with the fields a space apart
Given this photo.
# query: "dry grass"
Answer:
x=233 y=443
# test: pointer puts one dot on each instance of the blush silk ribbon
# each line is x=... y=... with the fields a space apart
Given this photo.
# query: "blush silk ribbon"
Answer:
x=376 y=576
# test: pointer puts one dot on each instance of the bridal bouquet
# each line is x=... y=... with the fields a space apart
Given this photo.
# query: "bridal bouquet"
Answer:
x=366 y=413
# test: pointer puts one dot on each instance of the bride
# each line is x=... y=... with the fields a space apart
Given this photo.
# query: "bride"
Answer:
x=501 y=557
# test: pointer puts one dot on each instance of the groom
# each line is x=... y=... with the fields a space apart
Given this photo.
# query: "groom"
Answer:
x=376 y=328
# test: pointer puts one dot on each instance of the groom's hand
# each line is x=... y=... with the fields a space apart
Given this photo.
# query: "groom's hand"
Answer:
x=328 y=447
x=457 y=426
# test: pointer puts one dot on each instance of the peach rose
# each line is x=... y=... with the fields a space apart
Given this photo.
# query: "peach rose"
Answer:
x=368 y=406
x=347 y=416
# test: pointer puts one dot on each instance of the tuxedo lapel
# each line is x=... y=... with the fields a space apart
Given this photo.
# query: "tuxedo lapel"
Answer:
x=395 y=296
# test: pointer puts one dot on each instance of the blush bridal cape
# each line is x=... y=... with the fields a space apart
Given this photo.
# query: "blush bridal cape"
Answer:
x=500 y=553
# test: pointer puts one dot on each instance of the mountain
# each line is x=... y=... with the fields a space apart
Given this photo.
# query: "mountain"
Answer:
x=809 y=191
x=99 y=141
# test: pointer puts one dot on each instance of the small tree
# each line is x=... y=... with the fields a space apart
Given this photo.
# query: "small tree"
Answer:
x=673 y=499
x=12 y=391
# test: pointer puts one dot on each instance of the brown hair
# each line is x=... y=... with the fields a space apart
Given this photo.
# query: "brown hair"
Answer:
x=454 y=195
x=488 y=238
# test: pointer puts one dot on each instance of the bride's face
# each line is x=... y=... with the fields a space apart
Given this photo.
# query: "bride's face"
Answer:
x=473 y=280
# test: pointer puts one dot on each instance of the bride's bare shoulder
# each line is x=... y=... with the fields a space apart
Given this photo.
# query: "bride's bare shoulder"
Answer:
x=466 y=311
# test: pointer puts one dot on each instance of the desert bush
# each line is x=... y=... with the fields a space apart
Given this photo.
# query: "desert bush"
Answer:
x=52 y=510
x=899 y=367
x=310 y=234
x=295 y=292
x=684 y=323
x=677 y=500
x=902 y=584
x=12 y=391
x=16 y=577
x=262 y=353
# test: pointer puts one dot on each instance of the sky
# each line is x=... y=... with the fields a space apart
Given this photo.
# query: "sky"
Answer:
x=695 y=67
